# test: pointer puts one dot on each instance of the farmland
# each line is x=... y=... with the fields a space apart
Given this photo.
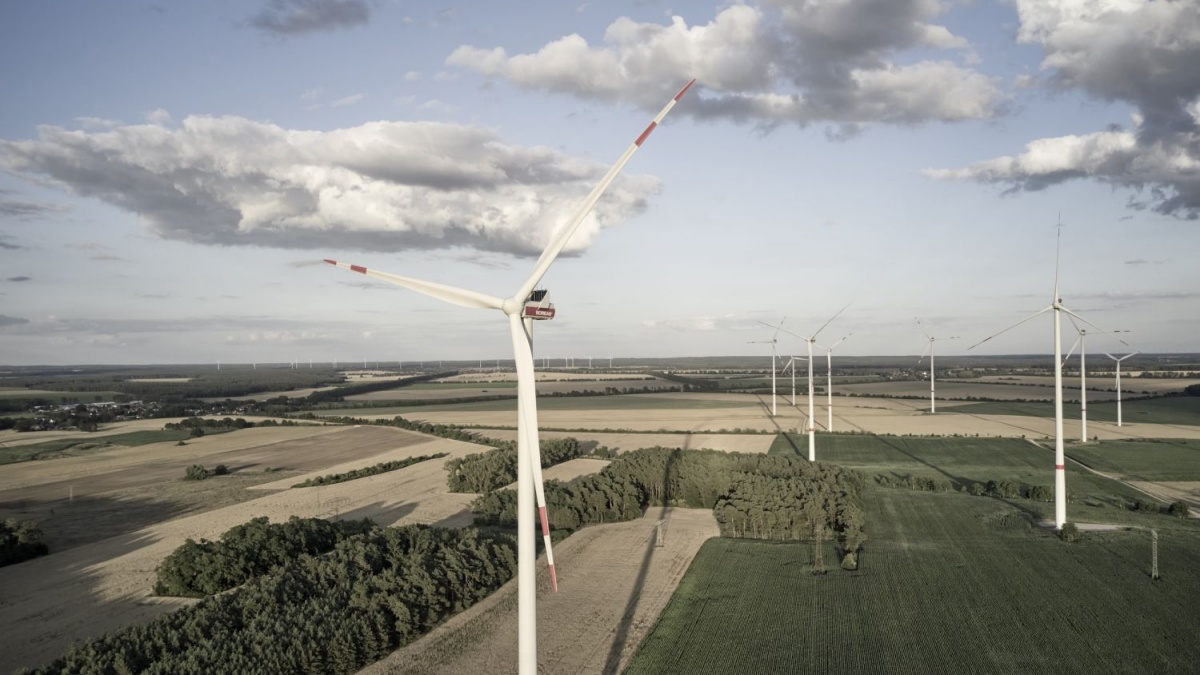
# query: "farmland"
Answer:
x=1165 y=410
x=944 y=587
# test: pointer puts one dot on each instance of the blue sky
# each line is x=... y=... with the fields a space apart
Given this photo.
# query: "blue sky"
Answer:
x=171 y=175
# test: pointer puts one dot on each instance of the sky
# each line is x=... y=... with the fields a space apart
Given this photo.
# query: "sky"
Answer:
x=172 y=175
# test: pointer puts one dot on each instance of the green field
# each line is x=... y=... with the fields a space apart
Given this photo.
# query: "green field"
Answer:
x=944 y=586
x=70 y=447
x=438 y=386
x=1164 y=410
x=614 y=402
x=55 y=397
x=962 y=461
x=1143 y=459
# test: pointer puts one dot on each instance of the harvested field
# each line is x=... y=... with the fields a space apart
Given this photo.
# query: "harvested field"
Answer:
x=570 y=470
x=426 y=393
x=50 y=602
x=613 y=583
x=10 y=438
x=964 y=389
x=543 y=376
x=624 y=442
x=1184 y=491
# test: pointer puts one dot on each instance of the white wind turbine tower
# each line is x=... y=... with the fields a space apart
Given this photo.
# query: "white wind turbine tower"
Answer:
x=522 y=308
x=929 y=352
x=1060 y=467
x=1119 y=381
x=829 y=379
x=1081 y=342
x=773 y=342
x=812 y=427
x=792 y=364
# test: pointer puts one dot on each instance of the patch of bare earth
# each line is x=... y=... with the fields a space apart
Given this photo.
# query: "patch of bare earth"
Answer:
x=614 y=581
x=48 y=603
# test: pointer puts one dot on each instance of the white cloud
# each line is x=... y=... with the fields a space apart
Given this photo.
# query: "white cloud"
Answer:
x=347 y=100
x=1142 y=52
x=157 y=116
x=379 y=186
x=412 y=76
x=788 y=62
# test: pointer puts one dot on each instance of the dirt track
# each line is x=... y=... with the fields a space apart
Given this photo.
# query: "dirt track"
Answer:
x=613 y=584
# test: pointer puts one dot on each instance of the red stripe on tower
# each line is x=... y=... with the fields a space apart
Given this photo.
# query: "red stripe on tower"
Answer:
x=358 y=268
x=645 y=133
x=1060 y=467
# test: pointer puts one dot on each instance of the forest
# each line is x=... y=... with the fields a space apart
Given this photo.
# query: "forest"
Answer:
x=333 y=613
x=492 y=470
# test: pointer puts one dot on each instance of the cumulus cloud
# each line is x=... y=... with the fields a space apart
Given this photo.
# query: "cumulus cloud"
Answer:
x=12 y=320
x=1141 y=52
x=347 y=100
x=297 y=17
x=785 y=62
x=380 y=186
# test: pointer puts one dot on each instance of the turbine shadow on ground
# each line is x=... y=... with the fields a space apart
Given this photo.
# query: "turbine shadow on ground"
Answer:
x=613 y=663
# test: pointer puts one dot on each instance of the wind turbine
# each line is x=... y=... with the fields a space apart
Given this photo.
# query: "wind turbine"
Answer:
x=1082 y=344
x=521 y=308
x=1056 y=306
x=929 y=351
x=829 y=380
x=811 y=339
x=1119 y=381
x=773 y=341
x=792 y=364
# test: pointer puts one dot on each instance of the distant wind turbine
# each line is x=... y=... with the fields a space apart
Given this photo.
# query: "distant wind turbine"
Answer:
x=1119 y=381
x=811 y=340
x=932 y=372
x=521 y=308
x=792 y=364
x=1081 y=342
x=773 y=342
x=1056 y=305
x=829 y=380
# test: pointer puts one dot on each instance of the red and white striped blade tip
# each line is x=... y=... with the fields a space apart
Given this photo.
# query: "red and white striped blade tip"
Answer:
x=685 y=88
x=553 y=579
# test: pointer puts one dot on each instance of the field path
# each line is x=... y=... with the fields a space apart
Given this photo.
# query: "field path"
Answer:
x=48 y=603
x=613 y=584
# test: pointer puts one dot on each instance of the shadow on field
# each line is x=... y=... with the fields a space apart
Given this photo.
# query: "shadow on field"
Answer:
x=55 y=600
x=377 y=512
x=73 y=521
x=959 y=481
x=613 y=663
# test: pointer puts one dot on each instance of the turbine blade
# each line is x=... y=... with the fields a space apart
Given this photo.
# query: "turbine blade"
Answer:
x=450 y=294
x=928 y=348
x=1110 y=333
x=527 y=428
x=922 y=328
x=778 y=328
x=1037 y=313
x=1057 y=256
x=1071 y=351
x=839 y=313
x=568 y=228
x=830 y=347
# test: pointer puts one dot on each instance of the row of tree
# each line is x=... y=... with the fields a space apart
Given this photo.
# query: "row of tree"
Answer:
x=375 y=469
x=20 y=540
x=198 y=569
x=315 y=614
x=752 y=495
x=492 y=470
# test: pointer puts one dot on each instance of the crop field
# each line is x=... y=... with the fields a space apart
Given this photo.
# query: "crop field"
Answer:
x=943 y=587
x=440 y=390
x=21 y=393
x=69 y=447
x=974 y=460
x=964 y=389
x=624 y=442
x=616 y=402
x=1166 y=410
x=1102 y=380
x=1144 y=460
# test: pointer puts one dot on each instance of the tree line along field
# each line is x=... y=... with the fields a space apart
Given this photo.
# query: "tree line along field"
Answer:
x=945 y=585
